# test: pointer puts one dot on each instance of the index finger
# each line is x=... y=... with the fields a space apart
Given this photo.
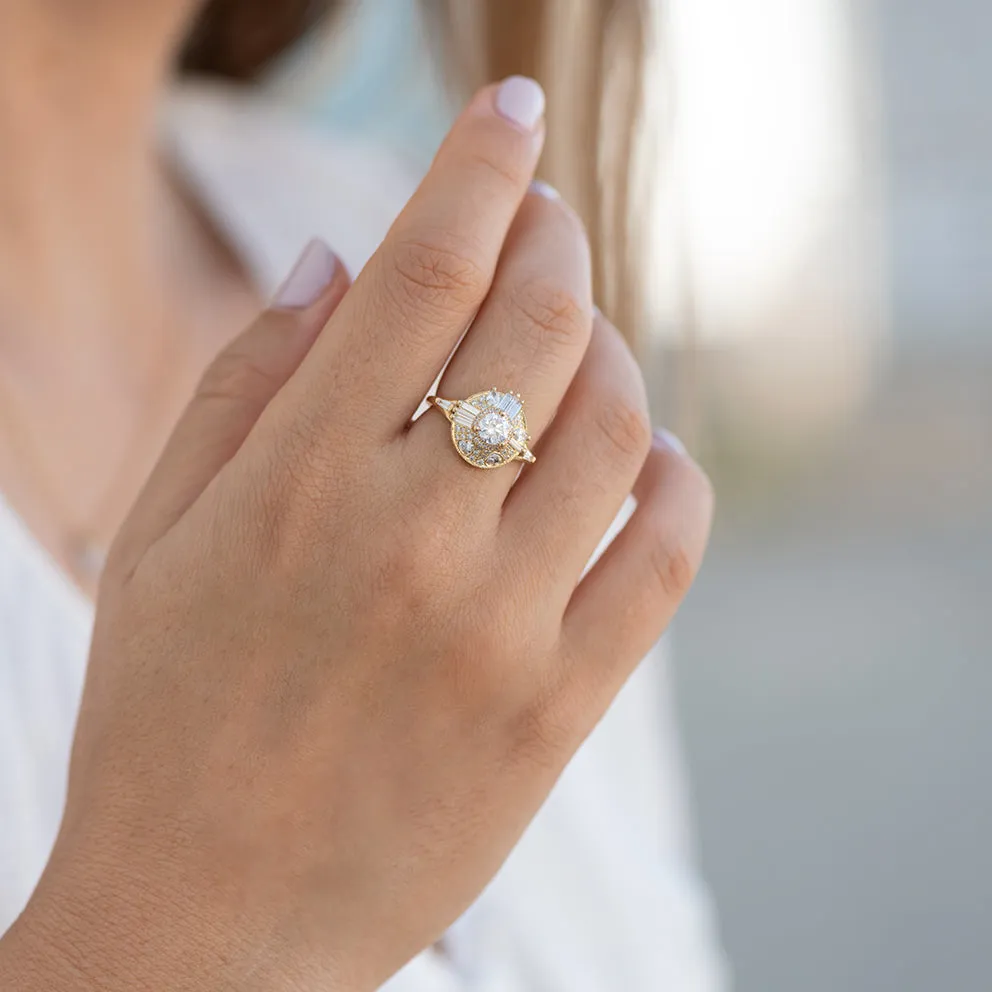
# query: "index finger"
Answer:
x=408 y=308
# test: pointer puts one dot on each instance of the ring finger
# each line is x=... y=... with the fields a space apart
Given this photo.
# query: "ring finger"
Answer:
x=528 y=338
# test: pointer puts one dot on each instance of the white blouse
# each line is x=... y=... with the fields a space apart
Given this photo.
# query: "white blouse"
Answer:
x=600 y=895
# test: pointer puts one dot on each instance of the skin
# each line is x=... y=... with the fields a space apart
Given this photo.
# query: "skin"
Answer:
x=336 y=670
x=115 y=293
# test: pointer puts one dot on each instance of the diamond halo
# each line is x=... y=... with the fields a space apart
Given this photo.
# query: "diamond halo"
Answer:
x=489 y=429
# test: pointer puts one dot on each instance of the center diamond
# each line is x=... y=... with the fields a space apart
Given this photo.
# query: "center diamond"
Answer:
x=493 y=428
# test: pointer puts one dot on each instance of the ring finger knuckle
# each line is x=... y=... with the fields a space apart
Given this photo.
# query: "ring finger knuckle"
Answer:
x=550 y=314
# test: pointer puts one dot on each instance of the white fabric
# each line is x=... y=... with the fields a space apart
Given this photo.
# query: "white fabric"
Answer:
x=600 y=893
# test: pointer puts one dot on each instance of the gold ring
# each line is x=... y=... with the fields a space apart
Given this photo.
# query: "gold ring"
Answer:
x=488 y=429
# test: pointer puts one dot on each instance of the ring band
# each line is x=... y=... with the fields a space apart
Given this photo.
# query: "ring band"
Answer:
x=488 y=429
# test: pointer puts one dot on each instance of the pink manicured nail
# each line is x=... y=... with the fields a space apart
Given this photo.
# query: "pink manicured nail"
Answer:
x=668 y=440
x=540 y=188
x=311 y=275
x=521 y=101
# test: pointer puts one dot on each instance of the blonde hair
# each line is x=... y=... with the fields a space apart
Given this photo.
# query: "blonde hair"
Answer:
x=590 y=56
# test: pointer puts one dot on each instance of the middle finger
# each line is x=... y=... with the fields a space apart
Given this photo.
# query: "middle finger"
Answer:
x=408 y=307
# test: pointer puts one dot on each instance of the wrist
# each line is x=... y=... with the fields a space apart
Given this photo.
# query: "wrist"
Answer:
x=74 y=939
x=38 y=956
x=79 y=935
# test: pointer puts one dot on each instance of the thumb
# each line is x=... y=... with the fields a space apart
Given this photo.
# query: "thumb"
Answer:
x=233 y=392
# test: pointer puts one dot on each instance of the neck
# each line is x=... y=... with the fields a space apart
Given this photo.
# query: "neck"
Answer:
x=82 y=196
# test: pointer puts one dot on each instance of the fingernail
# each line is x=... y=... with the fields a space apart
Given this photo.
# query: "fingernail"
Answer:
x=521 y=101
x=540 y=188
x=311 y=275
x=668 y=440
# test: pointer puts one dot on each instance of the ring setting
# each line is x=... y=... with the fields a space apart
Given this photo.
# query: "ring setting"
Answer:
x=488 y=429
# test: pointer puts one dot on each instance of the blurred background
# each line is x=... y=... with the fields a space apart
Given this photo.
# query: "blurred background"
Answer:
x=820 y=335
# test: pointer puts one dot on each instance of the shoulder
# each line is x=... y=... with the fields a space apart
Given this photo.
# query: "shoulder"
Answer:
x=272 y=179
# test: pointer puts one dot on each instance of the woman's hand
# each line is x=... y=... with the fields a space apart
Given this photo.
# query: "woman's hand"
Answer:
x=336 y=670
